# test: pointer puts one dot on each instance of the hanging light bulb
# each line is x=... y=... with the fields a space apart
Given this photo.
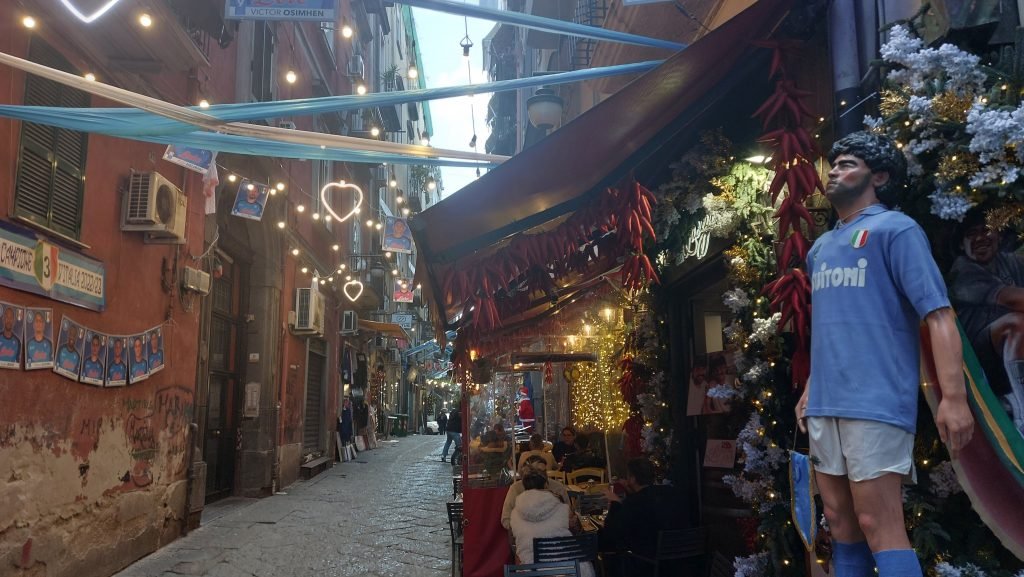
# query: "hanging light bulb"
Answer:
x=300 y=208
x=346 y=30
x=295 y=252
x=360 y=89
x=204 y=103
x=305 y=270
x=413 y=73
x=335 y=247
x=280 y=224
x=466 y=44
x=90 y=77
x=232 y=178
x=28 y=22
x=291 y=77
x=145 y=20
x=375 y=132
x=431 y=184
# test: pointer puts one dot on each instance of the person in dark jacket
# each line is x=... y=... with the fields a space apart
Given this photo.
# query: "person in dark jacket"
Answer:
x=453 y=430
x=442 y=423
x=633 y=522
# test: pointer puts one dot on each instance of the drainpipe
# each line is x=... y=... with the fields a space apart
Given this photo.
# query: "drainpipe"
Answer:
x=190 y=475
x=842 y=21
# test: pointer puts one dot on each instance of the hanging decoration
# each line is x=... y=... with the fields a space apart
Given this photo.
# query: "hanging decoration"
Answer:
x=89 y=18
x=325 y=200
x=353 y=286
x=796 y=179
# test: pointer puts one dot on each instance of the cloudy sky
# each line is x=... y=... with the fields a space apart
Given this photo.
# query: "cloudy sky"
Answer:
x=443 y=65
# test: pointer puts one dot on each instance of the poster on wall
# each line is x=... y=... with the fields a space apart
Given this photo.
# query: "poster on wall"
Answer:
x=30 y=262
x=397 y=237
x=986 y=274
x=12 y=336
x=38 y=338
x=138 y=366
x=720 y=453
x=250 y=200
x=155 y=350
x=707 y=373
x=69 y=354
x=196 y=159
x=95 y=358
x=117 y=365
x=403 y=290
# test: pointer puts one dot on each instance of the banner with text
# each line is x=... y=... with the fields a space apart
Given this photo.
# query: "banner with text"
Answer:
x=30 y=263
x=293 y=10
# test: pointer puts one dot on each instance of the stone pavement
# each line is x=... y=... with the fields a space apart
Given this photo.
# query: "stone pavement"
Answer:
x=378 y=516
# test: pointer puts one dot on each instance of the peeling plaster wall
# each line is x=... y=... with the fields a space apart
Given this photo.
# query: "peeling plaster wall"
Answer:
x=93 y=478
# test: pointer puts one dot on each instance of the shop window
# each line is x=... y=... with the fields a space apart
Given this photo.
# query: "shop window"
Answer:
x=50 y=182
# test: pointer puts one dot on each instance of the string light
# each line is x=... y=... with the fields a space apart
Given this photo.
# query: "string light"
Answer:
x=413 y=73
x=300 y=208
x=375 y=132
x=90 y=77
x=346 y=30
x=295 y=252
x=204 y=103
x=28 y=22
x=335 y=248
x=291 y=77
x=360 y=89
x=145 y=20
x=280 y=186
x=281 y=224
x=231 y=177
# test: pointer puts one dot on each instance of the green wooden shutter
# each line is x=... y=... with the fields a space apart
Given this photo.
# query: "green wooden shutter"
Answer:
x=50 y=182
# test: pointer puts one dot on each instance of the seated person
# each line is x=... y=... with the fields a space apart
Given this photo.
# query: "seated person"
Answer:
x=537 y=448
x=633 y=522
x=566 y=446
x=492 y=452
x=539 y=513
x=583 y=457
x=532 y=464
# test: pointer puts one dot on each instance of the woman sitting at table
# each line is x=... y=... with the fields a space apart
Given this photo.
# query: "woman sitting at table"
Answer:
x=531 y=465
x=537 y=448
x=539 y=513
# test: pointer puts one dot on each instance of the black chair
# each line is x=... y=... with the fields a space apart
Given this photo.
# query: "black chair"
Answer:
x=553 y=569
x=582 y=547
x=673 y=545
x=456 y=486
x=455 y=520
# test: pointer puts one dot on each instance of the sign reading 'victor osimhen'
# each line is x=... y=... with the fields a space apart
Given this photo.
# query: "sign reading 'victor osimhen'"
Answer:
x=30 y=263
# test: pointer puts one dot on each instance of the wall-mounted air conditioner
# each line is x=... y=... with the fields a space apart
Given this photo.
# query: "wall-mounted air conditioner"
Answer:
x=154 y=205
x=349 y=323
x=356 y=67
x=309 y=312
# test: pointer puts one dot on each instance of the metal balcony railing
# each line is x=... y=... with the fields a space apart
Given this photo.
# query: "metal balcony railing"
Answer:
x=590 y=13
x=200 y=37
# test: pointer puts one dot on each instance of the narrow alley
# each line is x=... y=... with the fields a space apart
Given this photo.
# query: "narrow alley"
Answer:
x=379 y=515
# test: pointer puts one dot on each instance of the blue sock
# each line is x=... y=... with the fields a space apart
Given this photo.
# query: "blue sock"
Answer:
x=898 y=563
x=853 y=559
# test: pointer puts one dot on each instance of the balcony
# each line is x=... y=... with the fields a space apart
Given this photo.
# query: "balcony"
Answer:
x=590 y=13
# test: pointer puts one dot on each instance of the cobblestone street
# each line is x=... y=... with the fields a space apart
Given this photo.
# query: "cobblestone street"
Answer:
x=380 y=515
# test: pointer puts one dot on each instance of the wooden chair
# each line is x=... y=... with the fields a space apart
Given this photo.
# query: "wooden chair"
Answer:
x=456 y=486
x=673 y=545
x=553 y=569
x=586 y=474
x=455 y=511
x=557 y=475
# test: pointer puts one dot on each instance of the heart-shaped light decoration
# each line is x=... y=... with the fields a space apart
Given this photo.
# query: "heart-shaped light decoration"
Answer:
x=353 y=286
x=327 y=204
x=88 y=19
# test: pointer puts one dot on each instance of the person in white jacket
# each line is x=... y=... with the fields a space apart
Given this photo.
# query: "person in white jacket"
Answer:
x=539 y=513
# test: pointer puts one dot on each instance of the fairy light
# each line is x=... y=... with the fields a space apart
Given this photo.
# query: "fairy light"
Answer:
x=232 y=178
x=295 y=252
x=335 y=247
x=204 y=103
x=145 y=20
x=90 y=77
x=28 y=22
x=360 y=89
x=291 y=77
x=300 y=208
x=280 y=224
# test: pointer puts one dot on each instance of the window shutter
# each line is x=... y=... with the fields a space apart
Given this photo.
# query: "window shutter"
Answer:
x=50 y=180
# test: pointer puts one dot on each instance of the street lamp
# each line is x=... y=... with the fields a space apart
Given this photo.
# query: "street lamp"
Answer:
x=545 y=109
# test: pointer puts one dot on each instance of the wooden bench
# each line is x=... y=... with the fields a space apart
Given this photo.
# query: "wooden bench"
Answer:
x=313 y=468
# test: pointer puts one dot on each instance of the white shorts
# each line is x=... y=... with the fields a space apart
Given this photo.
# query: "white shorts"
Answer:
x=860 y=449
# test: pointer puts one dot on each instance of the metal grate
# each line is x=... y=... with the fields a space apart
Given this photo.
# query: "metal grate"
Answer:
x=138 y=209
x=590 y=13
x=314 y=400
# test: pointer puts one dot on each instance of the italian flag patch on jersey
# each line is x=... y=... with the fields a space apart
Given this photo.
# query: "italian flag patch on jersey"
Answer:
x=859 y=239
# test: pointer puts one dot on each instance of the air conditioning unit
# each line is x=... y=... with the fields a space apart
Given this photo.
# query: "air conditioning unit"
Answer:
x=195 y=280
x=154 y=205
x=349 y=323
x=356 y=66
x=309 y=312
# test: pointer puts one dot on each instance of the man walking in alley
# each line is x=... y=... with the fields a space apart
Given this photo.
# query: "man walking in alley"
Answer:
x=453 y=429
x=873 y=282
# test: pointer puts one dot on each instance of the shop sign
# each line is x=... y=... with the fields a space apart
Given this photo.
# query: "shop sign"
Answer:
x=285 y=10
x=700 y=238
x=403 y=320
x=29 y=263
